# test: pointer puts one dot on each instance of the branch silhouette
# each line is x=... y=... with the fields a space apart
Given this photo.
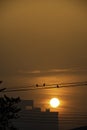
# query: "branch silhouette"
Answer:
x=8 y=111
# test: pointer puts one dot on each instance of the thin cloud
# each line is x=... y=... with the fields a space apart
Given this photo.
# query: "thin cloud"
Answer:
x=35 y=72
x=69 y=70
x=58 y=70
x=29 y=72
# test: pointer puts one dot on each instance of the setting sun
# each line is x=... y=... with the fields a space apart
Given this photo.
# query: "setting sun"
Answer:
x=54 y=102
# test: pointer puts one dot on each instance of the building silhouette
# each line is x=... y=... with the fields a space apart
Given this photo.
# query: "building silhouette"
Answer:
x=32 y=118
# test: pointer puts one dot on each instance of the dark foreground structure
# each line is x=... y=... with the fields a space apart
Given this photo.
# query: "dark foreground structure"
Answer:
x=81 y=128
x=32 y=118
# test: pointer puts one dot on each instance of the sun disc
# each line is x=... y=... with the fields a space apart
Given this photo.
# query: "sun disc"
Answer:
x=54 y=102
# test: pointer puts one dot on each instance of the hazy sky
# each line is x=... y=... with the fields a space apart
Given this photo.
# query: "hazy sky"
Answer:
x=42 y=35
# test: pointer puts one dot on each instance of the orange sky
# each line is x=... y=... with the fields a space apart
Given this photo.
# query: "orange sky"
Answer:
x=42 y=36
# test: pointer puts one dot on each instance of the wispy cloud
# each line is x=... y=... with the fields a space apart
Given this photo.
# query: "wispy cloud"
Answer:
x=29 y=72
x=58 y=70
x=69 y=70
x=35 y=72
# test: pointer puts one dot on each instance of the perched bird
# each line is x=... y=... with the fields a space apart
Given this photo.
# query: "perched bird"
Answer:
x=44 y=84
x=1 y=81
x=36 y=85
x=57 y=86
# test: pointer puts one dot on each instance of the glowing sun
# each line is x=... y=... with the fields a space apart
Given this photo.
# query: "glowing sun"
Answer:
x=54 y=102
